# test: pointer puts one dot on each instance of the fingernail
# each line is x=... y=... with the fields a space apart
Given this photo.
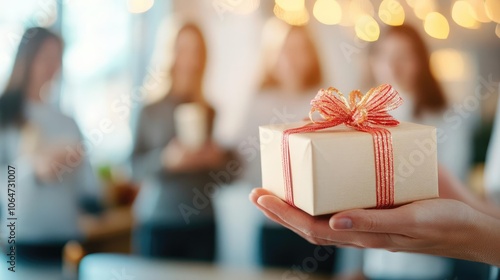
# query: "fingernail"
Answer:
x=341 y=223
x=261 y=202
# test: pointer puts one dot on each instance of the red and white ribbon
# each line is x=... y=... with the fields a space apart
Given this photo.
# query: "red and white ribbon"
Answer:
x=366 y=113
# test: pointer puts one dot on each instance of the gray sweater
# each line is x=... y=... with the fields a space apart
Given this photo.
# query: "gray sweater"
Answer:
x=166 y=198
x=46 y=212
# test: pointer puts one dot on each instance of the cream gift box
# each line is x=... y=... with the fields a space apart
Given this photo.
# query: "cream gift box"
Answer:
x=333 y=169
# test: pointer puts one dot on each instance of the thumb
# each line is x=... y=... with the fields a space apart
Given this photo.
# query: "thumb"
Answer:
x=395 y=220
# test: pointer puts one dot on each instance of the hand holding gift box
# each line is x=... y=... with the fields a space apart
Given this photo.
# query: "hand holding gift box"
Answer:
x=358 y=156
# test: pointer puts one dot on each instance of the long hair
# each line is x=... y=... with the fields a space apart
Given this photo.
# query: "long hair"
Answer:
x=274 y=38
x=164 y=55
x=429 y=95
x=13 y=99
x=197 y=95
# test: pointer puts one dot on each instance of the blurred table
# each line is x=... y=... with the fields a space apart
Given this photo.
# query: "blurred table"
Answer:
x=109 y=232
x=126 y=267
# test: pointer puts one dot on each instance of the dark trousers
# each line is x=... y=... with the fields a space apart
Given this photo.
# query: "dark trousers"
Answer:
x=187 y=242
x=43 y=253
x=470 y=270
x=462 y=269
x=280 y=247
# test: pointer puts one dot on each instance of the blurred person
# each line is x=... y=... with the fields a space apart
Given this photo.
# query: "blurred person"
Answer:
x=55 y=182
x=400 y=57
x=174 y=177
x=491 y=174
x=292 y=75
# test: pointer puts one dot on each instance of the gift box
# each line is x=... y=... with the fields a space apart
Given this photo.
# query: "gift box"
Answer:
x=331 y=168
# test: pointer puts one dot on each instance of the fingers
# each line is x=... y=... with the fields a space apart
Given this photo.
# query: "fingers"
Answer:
x=311 y=226
x=318 y=230
x=395 y=221
x=315 y=229
x=264 y=194
x=381 y=221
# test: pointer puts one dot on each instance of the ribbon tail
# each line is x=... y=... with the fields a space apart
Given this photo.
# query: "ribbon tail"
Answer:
x=384 y=166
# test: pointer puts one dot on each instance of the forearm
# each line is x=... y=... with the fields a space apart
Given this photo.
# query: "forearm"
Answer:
x=486 y=243
x=450 y=187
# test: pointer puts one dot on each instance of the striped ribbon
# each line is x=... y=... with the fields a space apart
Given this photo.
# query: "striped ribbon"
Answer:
x=366 y=113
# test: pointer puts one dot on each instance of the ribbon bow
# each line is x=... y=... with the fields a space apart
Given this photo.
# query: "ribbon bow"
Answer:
x=361 y=112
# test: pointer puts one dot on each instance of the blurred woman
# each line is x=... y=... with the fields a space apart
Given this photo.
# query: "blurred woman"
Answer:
x=292 y=76
x=175 y=217
x=401 y=58
x=54 y=179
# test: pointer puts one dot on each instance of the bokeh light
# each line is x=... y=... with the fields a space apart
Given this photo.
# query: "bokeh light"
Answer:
x=352 y=10
x=297 y=18
x=423 y=7
x=291 y=5
x=493 y=9
x=436 y=25
x=448 y=65
x=463 y=14
x=245 y=7
x=327 y=11
x=391 y=12
x=479 y=10
x=139 y=6
x=367 y=28
x=411 y=3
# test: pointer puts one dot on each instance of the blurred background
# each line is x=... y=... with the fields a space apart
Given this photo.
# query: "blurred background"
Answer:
x=133 y=126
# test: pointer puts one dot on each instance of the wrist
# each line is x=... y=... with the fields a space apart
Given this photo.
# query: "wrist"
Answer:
x=484 y=242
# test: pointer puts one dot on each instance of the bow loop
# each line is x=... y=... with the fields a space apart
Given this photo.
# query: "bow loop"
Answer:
x=360 y=110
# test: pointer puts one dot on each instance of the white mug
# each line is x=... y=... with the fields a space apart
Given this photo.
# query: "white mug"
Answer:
x=191 y=125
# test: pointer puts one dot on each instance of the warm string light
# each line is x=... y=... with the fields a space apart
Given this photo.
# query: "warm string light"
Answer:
x=352 y=10
x=449 y=65
x=479 y=10
x=291 y=5
x=367 y=28
x=245 y=7
x=360 y=14
x=327 y=12
x=411 y=3
x=139 y=6
x=391 y=12
x=493 y=10
x=297 y=18
x=424 y=7
x=464 y=15
x=436 y=25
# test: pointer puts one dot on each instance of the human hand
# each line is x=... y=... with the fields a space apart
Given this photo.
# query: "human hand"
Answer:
x=450 y=187
x=45 y=161
x=437 y=226
x=178 y=158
